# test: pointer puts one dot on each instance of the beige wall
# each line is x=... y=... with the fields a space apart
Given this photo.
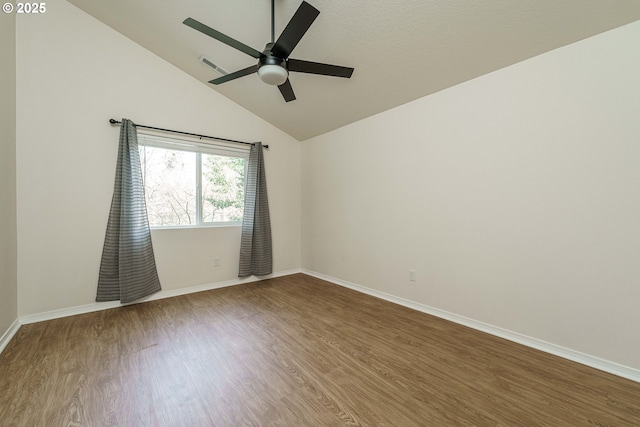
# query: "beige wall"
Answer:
x=514 y=196
x=75 y=73
x=8 y=260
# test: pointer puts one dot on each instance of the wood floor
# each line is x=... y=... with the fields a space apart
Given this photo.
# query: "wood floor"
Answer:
x=292 y=351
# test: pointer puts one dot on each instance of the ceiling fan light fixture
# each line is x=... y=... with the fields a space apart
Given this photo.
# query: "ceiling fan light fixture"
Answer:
x=274 y=63
x=273 y=74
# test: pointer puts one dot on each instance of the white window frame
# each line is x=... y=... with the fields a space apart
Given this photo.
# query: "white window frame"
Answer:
x=197 y=146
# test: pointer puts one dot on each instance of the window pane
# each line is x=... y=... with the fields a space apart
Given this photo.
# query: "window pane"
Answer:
x=222 y=188
x=170 y=186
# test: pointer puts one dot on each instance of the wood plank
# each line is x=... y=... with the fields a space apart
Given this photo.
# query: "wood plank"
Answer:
x=292 y=351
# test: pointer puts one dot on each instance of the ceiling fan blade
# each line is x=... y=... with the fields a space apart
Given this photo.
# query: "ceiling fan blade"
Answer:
x=287 y=91
x=318 y=68
x=221 y=37
x=235 y=75
x=295 y=29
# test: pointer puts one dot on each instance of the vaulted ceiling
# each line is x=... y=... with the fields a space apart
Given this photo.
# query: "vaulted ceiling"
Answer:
x=401 y=50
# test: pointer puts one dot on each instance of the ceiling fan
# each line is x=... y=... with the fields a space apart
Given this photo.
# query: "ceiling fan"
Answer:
x=274 y=63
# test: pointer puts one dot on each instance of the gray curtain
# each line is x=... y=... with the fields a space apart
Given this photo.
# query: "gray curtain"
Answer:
x=255 y=246
x=128 y=267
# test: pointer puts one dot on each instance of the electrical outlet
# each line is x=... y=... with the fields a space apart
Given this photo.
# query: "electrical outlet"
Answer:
x=216 y=262
x=412 y=275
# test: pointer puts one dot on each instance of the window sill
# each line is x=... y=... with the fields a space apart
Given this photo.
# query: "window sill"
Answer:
x=191 y=227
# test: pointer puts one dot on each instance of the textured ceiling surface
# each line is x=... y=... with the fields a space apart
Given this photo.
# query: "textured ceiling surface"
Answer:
x=401 y=50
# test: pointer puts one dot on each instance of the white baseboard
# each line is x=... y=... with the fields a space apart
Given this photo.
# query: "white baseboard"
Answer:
x=98 y=306
x=8 y=335
x=566 y=353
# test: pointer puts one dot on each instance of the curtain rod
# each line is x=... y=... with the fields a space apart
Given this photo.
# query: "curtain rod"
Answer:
x=116 y=122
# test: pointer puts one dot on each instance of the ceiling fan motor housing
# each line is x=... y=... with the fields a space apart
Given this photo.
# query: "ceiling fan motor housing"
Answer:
x=271 y=69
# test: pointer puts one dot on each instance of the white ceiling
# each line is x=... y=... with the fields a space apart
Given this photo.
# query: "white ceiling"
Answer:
x=401 y=50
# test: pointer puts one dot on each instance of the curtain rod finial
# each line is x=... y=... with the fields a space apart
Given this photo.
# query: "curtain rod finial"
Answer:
x=113 y=121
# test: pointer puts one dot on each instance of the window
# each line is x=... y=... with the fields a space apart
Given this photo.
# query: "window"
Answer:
x=189 y=183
